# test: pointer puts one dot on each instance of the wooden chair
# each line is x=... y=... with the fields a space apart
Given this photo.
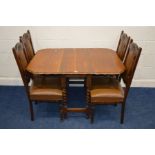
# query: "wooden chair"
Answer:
x=26 y=40
x=123 y=44
x=109 y=90
x=121 y=51
x=51 y=89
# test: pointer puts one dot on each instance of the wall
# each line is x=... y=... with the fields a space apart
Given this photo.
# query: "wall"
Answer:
x=60 y=37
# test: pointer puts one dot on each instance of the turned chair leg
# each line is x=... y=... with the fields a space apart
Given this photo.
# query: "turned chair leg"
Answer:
x=122 y=112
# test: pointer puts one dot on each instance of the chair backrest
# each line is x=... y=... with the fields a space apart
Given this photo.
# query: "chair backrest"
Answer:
x=21 y=61
x=28 y=32
x=133 y=54
x=123 y=45
x=28 y=46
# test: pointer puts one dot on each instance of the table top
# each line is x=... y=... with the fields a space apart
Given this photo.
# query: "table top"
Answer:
x=96 y=61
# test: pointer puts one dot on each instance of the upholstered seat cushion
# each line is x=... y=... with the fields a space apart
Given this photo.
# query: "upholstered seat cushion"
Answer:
x=106 y=90
x=46 y=88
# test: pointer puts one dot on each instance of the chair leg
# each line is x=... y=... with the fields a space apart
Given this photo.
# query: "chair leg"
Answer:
x=88 y=113
x=122 y=112
x=31 y=110
x=92 y=109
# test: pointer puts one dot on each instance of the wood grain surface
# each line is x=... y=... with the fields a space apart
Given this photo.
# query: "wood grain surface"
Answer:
x=78 y=61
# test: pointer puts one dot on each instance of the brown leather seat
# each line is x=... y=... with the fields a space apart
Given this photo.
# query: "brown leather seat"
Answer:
x=41 y=88
x=106 y=90
x=46 y=89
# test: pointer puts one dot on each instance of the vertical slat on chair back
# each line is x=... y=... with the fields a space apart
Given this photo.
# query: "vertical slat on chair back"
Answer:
x=21 y=61
x=28 y=32
x=130 y=63
x=123 y=45
x=27 y=42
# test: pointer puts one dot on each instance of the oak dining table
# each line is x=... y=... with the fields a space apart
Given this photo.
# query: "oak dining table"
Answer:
x=76 y=62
